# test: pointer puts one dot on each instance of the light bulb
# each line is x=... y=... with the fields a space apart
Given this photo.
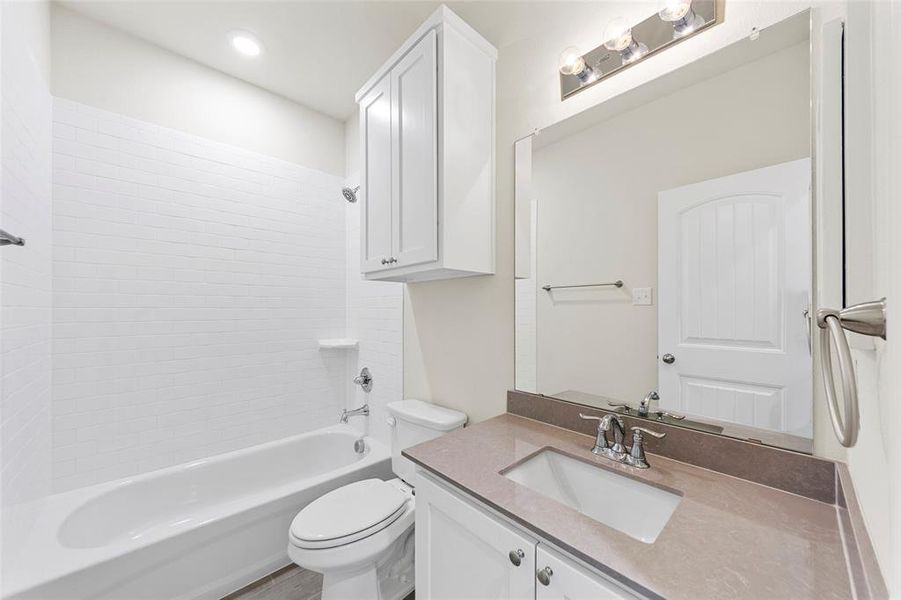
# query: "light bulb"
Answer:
x=618 y=35
x=246 y=43
x=571 y=61
x=673 y=10
x=680 y=14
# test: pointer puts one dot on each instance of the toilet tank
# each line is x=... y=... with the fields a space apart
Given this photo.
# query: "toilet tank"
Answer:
x=413 y=422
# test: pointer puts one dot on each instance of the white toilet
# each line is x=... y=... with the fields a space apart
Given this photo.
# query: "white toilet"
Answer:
x=360 y=536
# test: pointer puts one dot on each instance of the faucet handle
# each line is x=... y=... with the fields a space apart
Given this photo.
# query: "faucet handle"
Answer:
x=590 y=417
x=636 y=456
x=626 y=408
x=662 y=413
x=640 y=430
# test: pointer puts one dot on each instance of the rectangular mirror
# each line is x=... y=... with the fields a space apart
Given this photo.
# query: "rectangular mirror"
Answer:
x=664 y=247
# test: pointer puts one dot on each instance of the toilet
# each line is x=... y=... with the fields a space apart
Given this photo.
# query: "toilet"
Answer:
x=360 y=536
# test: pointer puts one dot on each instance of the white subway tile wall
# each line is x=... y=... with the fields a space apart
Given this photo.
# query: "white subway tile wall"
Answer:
x=375 y=318
x=191 y=282
x=25 y=273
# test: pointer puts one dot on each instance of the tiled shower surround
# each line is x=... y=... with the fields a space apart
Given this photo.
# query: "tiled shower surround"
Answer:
x=191 y=283
x=26 y=272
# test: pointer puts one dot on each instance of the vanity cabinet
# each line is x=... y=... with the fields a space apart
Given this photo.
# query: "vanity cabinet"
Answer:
x=427 y=157
x=465 y=552
x=461 y=552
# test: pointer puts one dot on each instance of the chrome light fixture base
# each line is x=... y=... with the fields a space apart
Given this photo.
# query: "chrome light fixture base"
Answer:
x=654 y=33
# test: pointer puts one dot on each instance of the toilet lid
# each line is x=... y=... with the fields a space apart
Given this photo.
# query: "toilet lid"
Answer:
x=360 y=507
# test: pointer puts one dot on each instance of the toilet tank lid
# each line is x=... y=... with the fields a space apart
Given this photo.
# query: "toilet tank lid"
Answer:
x=427 y=414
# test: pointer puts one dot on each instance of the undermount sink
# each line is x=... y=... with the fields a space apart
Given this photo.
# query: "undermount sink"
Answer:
x=637 y=509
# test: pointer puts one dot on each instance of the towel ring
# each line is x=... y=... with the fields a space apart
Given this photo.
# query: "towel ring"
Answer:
x=867 y=318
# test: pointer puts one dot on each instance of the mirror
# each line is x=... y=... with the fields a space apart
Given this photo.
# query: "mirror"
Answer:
x=664 y=247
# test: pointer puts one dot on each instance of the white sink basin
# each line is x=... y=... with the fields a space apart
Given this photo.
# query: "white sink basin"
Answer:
x=637 y=509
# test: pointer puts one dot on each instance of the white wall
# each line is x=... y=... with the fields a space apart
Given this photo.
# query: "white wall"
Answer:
x=191 y=283
x=25 y=375
x=104 y=67
x=459 y=335
x=597 y=210
x=873 y=94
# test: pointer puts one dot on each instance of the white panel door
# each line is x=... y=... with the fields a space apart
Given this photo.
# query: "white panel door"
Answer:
x=734 y=260
x=566 y=580
x=414 y=89
x=375 y=178
x=464 y=554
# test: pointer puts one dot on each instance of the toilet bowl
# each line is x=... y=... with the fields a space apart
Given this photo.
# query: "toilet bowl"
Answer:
x=360 y=536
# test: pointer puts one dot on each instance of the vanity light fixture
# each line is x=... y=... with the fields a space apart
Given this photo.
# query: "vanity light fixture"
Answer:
x=245 y=43
x=628 y=43
x=619 y=37
x=680 y=14
x=572 y=63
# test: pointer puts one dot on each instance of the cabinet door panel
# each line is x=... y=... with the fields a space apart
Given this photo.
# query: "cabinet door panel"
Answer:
x=414 y=89
x=375 y=184
x=463 y=554
x=570 y=581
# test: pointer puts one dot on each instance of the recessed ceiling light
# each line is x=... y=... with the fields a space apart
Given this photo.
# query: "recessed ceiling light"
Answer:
x=246 y=43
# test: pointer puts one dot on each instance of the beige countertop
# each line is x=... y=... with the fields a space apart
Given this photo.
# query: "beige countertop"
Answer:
x=728 y=538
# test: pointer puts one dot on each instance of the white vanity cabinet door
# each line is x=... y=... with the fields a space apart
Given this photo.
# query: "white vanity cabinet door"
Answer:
x=569 y=581
x=464 y=554
x=414 y=137
x=375 y=142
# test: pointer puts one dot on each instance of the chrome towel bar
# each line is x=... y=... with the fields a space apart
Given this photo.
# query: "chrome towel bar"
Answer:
x=618 y=283
x=867 y=318
x=8 y=239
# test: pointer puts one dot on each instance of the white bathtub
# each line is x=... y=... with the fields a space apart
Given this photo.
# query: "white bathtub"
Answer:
x=197 y=530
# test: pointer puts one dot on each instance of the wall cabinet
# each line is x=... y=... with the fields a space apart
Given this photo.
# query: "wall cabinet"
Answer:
x=463 y=552
x=427 y=157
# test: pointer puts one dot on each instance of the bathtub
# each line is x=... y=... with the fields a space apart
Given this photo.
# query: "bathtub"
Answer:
x=198 y=530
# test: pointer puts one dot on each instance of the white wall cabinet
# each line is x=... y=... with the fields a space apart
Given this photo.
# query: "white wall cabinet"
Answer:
x=427 y=143
x=465 y=553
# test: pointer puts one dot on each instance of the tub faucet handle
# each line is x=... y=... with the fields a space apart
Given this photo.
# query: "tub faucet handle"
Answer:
x=364 y=379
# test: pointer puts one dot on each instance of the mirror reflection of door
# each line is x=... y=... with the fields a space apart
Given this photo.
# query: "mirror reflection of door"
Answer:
x=734 y=289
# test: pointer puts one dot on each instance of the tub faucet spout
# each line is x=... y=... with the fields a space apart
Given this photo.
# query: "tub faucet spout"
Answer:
x=363 y=410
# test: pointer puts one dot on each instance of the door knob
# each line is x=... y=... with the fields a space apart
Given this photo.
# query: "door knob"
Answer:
x=669 y=358
x=516 y=557
x=544 y=576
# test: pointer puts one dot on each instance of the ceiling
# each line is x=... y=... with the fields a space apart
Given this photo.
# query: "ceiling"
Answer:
x=315 y=53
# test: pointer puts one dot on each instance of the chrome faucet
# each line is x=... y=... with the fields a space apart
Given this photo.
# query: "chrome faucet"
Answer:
x=644 y=408
x=602 y=446
x=616 y=451
x=645 y=405
x=363 y=410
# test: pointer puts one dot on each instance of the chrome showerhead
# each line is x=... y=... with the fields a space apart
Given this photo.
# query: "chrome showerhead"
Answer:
x=350 y=194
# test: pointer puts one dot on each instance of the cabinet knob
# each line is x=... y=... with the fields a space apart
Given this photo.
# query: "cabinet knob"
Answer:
x=392 y=260
x=544 y=576
x=516 y=557
x=669 y=358
x=384 y=261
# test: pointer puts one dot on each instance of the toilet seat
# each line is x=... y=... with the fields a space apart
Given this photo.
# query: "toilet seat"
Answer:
x=348 y=514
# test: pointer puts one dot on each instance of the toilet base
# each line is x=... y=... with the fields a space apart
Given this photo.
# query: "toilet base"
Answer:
x=392 y=579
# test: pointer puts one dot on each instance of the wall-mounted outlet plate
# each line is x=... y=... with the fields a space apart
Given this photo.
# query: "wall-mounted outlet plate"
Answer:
x=642 y=296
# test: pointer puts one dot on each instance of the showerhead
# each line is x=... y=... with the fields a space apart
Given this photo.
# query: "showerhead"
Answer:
x=350 y=194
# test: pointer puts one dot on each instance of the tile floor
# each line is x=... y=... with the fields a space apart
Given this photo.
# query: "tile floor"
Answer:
x=289 y=583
